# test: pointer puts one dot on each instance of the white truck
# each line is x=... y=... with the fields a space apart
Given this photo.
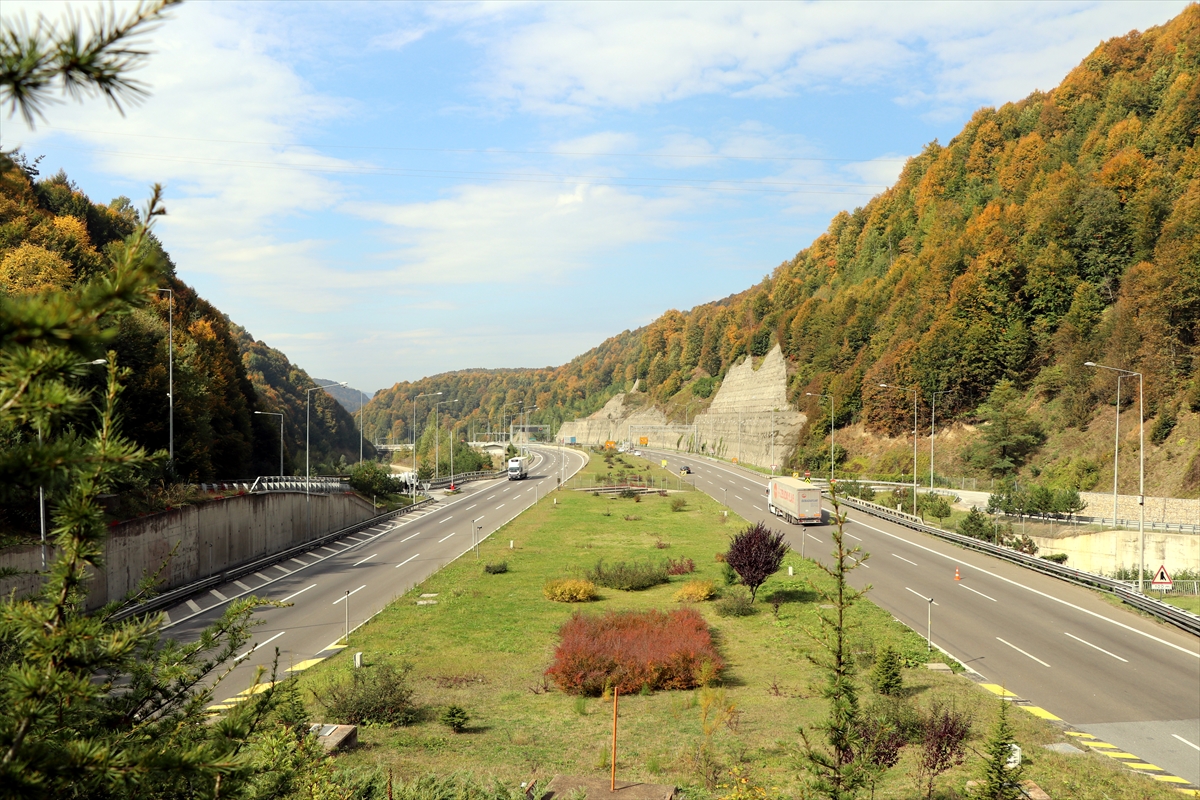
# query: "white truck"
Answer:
x=795 y=501
x=518 y=468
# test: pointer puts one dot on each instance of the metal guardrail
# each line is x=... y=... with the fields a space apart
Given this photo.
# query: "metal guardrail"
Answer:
x=175 y=595
x=442 y=483
x=1184 y=620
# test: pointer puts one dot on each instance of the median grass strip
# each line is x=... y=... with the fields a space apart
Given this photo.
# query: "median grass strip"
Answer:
x=485 y=648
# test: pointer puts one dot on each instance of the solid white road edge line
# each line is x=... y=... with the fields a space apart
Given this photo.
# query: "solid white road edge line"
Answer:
x=343 y=597
x=1185 y=741
x=1022 y=652
x=1069 y=604
x=1094 y=647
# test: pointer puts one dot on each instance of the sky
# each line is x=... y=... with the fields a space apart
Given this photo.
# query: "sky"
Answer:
x=389 y=190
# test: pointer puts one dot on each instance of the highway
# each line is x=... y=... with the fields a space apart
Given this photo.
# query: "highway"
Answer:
x=1128 y=681
x=354 y=578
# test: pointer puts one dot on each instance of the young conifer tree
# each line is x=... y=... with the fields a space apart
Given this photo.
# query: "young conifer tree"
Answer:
x=997 y=780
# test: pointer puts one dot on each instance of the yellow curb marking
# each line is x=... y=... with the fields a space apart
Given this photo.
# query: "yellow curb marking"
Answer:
x=303 y=665
x=1041 y=712
x=1146 y=766
x=1168 y=779
x=996 y=688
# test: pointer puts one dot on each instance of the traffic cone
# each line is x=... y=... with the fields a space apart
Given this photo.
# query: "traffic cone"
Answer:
x=957 y=577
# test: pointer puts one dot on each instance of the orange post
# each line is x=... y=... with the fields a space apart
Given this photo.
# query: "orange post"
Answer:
x=614 y=743
x=957 y=577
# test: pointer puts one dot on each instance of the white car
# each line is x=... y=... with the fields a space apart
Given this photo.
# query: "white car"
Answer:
x=637 y=452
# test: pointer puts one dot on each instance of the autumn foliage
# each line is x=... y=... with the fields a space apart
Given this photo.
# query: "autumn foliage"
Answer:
x=632 y=649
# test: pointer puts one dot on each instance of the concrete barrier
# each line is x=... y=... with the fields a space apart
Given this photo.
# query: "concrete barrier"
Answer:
x=206 y=539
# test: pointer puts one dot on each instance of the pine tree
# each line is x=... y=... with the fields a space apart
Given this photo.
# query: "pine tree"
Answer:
x=885 y=675
x=997 y=780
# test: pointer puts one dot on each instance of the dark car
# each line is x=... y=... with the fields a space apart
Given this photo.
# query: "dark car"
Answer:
x=685 y=470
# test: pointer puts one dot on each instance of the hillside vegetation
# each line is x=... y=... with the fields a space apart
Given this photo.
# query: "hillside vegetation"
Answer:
x=53 y=237
x=1052 y=231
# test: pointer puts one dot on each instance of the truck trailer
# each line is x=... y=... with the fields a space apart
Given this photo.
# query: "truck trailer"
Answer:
x=518 y=468
x=795 y=501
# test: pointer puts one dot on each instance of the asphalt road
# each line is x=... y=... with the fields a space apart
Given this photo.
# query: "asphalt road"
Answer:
x=350 y=580
x=1106 y=671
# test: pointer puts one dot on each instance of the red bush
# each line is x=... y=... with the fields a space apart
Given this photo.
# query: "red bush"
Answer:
x=680 y=566
x=632 y=649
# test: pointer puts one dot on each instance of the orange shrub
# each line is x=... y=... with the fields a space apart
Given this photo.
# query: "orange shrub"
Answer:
x=632 y=649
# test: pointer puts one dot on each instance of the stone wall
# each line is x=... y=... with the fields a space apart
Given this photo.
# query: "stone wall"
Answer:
x=1106 y=551
x=1158 y=509
x=206 y=539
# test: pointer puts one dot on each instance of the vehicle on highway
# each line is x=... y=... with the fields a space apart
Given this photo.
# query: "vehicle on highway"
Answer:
x=685 y=470
x=795 y=501
x=518 y=468
x=637 y=452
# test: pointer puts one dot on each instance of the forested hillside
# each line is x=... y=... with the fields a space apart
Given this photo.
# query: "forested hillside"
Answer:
x=1052 y=231
x=52 y=236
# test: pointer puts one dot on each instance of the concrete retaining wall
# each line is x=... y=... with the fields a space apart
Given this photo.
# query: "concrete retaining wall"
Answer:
x=206 y=539
x=1158 y=509
x=1105 y=551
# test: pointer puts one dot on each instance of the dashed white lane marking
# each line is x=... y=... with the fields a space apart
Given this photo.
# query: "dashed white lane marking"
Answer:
x=981 y=594
x=260 y=644
x=815 y=539
x=365 y=560
x=415 y=535
x=445 y=519
x=343 y=597
x=855 y=538
x=284 y=570
x=489 y=497
x=902 y=558
x=193 y=606
x=298 y=561
x=500 y=506
x=923 y=597
x=293 y=594
x=241 y=586
x=261 y=577
x=738 y=496
x=1022 y=652
x=444 y=539
x=217 y=595
x=1094 y=647
x=756 y=508
x=468 y=508
x=405 y=561
x=331 y=550
x=1185 y=741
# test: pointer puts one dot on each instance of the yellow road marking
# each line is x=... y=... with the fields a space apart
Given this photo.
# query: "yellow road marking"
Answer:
x=1100 y=744
x=1113 y=754
x=1146 y=766
x=1189 y=792
x=996 y=688
x=303 y=665
x=1080 y=735
x=1169 y=779
x=1041 y=712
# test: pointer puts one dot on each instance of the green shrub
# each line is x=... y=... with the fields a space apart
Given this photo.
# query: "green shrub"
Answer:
x=569 y=590
x=1057 y=558
x=378 y=693
x=679 y=504
x=736 y=603
x=729 y=574
x=498 y=568
x=455 y=718
x=630 y=576
x=885 y=675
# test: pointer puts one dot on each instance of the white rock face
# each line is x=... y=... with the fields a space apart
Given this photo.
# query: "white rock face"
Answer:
x=749 y=419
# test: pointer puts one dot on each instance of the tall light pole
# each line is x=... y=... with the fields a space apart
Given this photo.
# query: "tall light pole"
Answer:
x=832 y=415
x=1141 y=461
x=170 y=375
x=502 y=415
x=275 y=414
x=414 y=432
x=437 y=437
x=362 y=397
x=933 y=431
x=912 y=389
x=307 y=429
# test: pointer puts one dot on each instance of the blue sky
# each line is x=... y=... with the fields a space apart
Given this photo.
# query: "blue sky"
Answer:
x=389 y=190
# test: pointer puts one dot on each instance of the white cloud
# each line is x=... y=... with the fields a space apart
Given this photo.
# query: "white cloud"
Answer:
x=568 y=57
x=508 y=233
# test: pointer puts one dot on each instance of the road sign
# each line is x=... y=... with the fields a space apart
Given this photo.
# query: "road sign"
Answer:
x=735 y=460
x=1162 y=579
x=643 y=440
x=795 y=474
x=1014 y=757
x=664 y=463
x=426 y=484
x=610 y=445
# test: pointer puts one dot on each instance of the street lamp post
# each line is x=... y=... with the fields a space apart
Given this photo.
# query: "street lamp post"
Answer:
x=1141 y=461
x=275 y=414
x=437 y=438
x=832 y=415
x=361 y=401
x=307 y=430
x=933 y=431
x=414 y=436
x=170 y=375
x=912 y=389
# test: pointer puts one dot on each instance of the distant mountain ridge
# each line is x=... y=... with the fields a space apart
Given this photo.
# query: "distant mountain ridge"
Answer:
x=351 y=399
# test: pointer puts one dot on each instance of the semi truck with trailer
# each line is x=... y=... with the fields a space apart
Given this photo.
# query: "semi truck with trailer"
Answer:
x=794 y=500
x=518 y=468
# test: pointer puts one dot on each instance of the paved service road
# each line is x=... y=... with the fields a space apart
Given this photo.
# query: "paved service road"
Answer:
x=1105 y=671
x=363 y=572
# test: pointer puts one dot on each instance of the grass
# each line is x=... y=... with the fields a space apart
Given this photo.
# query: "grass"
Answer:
x=502 y=633
x=1188 y=602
